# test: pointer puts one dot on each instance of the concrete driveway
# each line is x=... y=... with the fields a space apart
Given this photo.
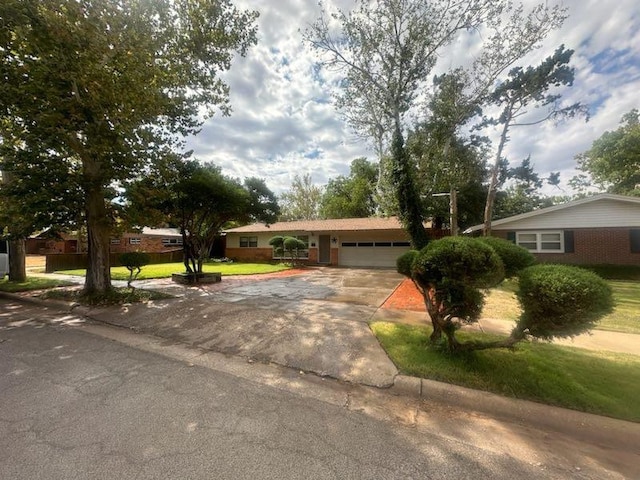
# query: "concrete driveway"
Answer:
x=315 y=321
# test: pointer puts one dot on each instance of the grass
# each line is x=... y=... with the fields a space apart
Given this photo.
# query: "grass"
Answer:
x=164 y=270
x=115 y=297
x=502 y=304
x=602 y=383
x=32 y=283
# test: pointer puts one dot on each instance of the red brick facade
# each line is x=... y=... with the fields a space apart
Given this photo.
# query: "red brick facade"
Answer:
x=250 y=254
x=593 y=246
x=142 y=243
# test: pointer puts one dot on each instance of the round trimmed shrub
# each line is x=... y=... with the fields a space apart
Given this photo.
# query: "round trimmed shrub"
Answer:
x=561 y=300
x=514 y=257
x=134 y=259
x=405 y=261
x=458 y=259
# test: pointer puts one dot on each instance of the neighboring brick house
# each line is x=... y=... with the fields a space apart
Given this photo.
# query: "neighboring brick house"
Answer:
x=602 y=229
x=48 y=242
x=151 y=240
x=355 y=242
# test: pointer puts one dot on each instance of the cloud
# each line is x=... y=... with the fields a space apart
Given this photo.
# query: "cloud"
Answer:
x=284 y=123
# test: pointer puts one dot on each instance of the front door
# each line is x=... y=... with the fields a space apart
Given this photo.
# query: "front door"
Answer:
x=324 y=245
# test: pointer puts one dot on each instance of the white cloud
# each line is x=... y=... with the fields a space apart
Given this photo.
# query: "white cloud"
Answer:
x=283 y=122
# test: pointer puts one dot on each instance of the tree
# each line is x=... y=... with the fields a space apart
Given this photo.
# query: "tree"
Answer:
x=134 y=261
x=302 y=200
x=104 y=86
x=447 y=161
x=352 y=196
x=523 y=195
x=527 y=88
x=385 y=50
x=613 y=161
x=199 y=200
x=451 y=274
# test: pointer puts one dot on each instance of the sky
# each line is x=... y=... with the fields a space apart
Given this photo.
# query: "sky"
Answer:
x=284 y=122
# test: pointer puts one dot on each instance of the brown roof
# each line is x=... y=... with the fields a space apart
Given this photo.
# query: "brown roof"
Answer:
x=332 y=225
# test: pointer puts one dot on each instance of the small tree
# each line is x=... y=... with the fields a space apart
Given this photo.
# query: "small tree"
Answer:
x=134 y=261
x=557 y=300
x=449 y=274
x=290 y=245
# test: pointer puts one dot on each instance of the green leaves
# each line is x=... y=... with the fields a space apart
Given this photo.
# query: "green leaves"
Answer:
x=613 y=161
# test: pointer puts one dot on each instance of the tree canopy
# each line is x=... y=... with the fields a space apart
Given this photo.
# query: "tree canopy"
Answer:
x=302 y=200
x=352 y=196
x=613 y=161
x=104 y=86
x=385 y=51
x=199 y=200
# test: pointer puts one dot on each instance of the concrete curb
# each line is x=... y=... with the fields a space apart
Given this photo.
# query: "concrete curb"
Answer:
x=608 y=432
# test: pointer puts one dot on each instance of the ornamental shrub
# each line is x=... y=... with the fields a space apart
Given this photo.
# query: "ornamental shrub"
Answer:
x=514 y=257
x=405 y=261
x=134 y=261
x=450 y=272
x=561 y=300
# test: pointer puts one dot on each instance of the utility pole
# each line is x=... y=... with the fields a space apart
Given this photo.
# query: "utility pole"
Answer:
x=453 y=209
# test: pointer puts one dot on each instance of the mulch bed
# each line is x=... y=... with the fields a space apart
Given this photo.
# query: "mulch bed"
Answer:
x=405 y=297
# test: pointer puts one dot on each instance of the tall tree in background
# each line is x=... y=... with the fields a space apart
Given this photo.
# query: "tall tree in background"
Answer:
x=104 y=85
x=447 y=161
x=352 y=196
x=524 y=90
x=302 y=200
x=386 y=49
x=613 y=161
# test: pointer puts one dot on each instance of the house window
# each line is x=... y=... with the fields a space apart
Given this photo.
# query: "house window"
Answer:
x=634 y=240
x=248 y=242
x=115 y=241
x=134 y=241
x=541 y=242
x=171 y=242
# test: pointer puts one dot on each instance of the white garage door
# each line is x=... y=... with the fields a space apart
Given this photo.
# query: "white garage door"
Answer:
x=371 y=254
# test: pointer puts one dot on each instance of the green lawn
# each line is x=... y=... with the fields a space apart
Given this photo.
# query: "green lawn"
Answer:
x=502 y=304
x=32 y=283
x=164 y=270
x=597 y=382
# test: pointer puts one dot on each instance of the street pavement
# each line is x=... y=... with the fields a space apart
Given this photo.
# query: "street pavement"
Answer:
x=80 y=400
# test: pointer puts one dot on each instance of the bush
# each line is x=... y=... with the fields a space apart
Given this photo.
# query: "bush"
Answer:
x=458 y=259
x=450 y=273
x=405 y=261
x=561 y=300
x=134 y=261
x=514 y=257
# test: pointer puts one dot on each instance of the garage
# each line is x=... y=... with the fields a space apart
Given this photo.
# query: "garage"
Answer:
x=371 y=253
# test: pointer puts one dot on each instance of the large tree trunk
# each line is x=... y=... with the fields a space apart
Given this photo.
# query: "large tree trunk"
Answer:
x=17 y=264
x=98 y=279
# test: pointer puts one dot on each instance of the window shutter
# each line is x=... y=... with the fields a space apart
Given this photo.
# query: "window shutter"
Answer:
x=568 y=242
x=511 y=236
x=634 y=240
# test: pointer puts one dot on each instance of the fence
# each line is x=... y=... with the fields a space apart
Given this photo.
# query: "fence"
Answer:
x=73 y=261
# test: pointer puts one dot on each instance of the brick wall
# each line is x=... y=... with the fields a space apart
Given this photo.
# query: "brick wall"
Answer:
x=147 y=244
x=250 y=254
x=593 y=246
x=335 y=256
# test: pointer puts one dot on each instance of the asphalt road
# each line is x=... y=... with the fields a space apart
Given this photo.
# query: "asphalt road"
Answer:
x=76 y=405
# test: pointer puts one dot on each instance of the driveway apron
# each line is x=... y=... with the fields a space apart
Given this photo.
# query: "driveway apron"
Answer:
x=315 y=322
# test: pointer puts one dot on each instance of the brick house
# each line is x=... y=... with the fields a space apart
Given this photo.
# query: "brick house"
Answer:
x=602 y=229
x=49 y=242
x=151 y=240
x=353 y=242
